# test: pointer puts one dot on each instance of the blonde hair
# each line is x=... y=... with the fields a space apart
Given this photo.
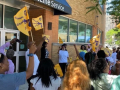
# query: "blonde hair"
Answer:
x=76 y=77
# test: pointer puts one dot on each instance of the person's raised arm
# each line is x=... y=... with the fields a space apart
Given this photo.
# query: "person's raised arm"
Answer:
x=2 y=48
x=32 y=51
x=77 y=52
x=40 y=45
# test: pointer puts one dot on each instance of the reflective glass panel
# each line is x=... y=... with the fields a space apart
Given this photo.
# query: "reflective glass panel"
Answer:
x=88 y=33
x=9 y=20
x=63 y=28
x=73 y=31
x=81 y=32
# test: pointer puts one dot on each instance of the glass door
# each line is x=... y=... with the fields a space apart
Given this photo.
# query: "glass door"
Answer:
x=8 y=36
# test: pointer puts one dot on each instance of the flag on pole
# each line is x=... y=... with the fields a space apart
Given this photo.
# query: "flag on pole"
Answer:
x=48 y=38
x=118 y=26
x=37 y=23
x=22 y=21
x=95 y=41
x=60 y=41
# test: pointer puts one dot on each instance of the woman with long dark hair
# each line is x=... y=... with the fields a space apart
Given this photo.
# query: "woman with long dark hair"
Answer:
x=46 y=79
x=44 y=51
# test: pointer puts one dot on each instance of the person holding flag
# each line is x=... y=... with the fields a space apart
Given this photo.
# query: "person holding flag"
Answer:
x=36 y=60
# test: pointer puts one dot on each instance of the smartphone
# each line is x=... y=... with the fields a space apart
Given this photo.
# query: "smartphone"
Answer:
x=19 y=41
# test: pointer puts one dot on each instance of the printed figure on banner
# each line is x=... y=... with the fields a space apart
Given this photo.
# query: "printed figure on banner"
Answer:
x=48 y=38
x=95 y=41
x=37 y=23
x=60 y=41
x=22 y=21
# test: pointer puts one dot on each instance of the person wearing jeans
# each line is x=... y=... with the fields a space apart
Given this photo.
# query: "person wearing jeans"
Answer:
x=63 y=58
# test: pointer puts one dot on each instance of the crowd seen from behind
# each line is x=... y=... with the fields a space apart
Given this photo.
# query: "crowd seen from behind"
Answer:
x=91 y=71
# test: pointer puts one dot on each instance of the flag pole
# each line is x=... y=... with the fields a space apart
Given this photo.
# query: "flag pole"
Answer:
x=31 y=35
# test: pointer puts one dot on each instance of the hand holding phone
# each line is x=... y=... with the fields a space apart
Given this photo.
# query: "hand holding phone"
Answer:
x=19 y=41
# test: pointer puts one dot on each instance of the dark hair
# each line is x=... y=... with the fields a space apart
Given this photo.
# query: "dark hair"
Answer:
x=96 y=68
x=1 y=58
x=44 y=43
x=83 y=46
x=10 y=53
x=64 y=45
x=89 y=57
x=101 y=54
x=45 y=70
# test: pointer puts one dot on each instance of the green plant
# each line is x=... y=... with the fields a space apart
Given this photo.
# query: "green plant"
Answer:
x=96 y=6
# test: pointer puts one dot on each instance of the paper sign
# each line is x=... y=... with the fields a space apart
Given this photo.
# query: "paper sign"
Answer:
x=70 y=59
x=58 y=70
x=37 y=23
x=48 y=38
x=107 y=51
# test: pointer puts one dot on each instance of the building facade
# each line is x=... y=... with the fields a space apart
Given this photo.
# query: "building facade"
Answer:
x=62 y=18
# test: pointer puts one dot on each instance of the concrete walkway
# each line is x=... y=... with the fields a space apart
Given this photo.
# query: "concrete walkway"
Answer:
x=24 y=87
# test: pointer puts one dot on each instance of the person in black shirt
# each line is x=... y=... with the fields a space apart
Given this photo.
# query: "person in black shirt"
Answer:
x=44 y=51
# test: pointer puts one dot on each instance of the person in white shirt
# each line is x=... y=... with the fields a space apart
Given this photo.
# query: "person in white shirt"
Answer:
x=36 y=60
x=46 y=78
x=63 y=58
x=114 y=55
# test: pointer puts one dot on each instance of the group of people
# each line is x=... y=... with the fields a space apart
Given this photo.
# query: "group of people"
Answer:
x=90 y=72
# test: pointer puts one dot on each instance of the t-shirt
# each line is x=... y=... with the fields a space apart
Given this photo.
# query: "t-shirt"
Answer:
x=82 y=51
x=63 y=56
x=116 y=84
x=114 y=56
x=44 y=53
x=110 y=59
x=36 y=62
x=11 y=81
x=38 y=86
x=104 y=83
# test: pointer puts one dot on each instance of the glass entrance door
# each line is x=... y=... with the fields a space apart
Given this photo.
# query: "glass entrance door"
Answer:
x=8 y=36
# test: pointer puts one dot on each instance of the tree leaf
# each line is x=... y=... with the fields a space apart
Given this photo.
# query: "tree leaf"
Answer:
x=90 y=10
x=99 y=10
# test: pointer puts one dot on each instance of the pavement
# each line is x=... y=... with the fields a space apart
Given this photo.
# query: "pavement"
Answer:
x=24 y=87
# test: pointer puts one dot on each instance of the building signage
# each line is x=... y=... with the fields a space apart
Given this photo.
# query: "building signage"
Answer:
x=54 y=4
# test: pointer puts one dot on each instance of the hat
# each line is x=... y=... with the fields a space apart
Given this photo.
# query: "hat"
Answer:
x=82 y=55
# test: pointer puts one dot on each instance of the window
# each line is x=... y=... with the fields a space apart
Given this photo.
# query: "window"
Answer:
x=1 y=16
x=81 y=32
x=63 y=28
x=88 y=33
x=9 y=14
x=73 y=31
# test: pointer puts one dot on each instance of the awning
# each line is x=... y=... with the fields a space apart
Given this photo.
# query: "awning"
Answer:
x=61 y=7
